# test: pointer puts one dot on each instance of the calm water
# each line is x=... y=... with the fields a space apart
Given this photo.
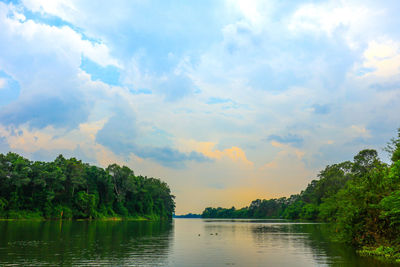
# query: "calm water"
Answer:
x=183 y=242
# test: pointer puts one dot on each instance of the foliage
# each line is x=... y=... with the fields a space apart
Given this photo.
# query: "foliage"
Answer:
x=69 y=188
x=361 y=198
x=386 y=253
x=189 y=215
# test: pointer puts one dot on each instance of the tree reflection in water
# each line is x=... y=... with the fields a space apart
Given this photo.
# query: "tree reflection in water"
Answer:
x=312 y=239
x=85 y=242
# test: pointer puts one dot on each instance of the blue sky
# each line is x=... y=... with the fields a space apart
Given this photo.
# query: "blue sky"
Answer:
x=227 y=101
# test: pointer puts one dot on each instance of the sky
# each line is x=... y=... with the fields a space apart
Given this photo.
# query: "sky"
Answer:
x=226 y=101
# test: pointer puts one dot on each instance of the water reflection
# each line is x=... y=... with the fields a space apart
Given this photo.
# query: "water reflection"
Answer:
x=183 y=242
x=313 y=240
x=85 y=243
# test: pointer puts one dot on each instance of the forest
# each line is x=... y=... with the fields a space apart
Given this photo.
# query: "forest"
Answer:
x=71 y=189
x=361 y=198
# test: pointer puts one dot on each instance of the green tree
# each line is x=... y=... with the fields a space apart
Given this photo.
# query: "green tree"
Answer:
x=69 y=188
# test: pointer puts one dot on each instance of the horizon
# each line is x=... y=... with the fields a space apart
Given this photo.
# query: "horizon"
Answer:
x=226 y=101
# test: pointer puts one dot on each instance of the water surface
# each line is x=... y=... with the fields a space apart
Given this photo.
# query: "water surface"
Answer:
x=183 y=242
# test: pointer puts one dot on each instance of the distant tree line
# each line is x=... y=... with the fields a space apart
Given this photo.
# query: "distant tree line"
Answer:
x=69 y=188
x=189 y=215
x=361 y=198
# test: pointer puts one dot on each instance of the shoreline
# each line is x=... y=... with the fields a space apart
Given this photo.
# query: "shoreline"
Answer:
x=87 y=219
x=382 y=253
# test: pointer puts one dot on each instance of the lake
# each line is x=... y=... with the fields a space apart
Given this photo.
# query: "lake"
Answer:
x=182 y=242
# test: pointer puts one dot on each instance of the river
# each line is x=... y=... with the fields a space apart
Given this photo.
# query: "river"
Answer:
x=182 y=242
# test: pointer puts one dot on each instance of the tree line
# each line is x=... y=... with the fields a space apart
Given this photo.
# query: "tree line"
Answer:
x=69 y=188
x=360 y=197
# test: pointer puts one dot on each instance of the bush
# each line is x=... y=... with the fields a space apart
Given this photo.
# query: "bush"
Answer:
x=25 y=214
x=120 y=209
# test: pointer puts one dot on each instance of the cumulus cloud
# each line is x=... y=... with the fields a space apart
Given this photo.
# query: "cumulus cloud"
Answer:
x=346 y=19
x=46 y=72
x=42 y=111
x=382 y=59
x=120 y=135
x=176 y=87
x=161 y=89
x=169 y=156
x=119 y=132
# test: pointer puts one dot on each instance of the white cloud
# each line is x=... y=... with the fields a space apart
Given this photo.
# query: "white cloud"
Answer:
x=45 y=62
x=254 y=12
x=382 y=58
x=46 y=39
x=327 y=17
x=252 y=58
x=59 y=8
x=3 y=83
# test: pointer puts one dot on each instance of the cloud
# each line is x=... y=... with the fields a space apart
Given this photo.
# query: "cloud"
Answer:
x=41 y=111
x=219 y=186
x=42 y=39
x=173 y=85
x=141 y=91
x=329 y=16
x=321 y=109
x=9 y=89
x=57 y=7
x=253 y=13
x=3 y=83
x=44 y=154
x=176 y=87
x=45 y=63
x=291 y=139
x=234 y=153
x=386 y=85
x=133 y=82
x=30 y=140
x=358 y=131
x=169 y=156
x=225 y=103
x=120 y=134
x=109 y=74
x=216 y=100
x=382 y=59
x=4 y=146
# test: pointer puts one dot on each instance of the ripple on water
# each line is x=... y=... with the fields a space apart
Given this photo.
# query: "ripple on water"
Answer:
x=238 y=243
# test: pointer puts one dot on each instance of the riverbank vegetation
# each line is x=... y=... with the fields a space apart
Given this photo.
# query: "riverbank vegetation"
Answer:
x=188 y=216
x=69 y=188
x=361 y=198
